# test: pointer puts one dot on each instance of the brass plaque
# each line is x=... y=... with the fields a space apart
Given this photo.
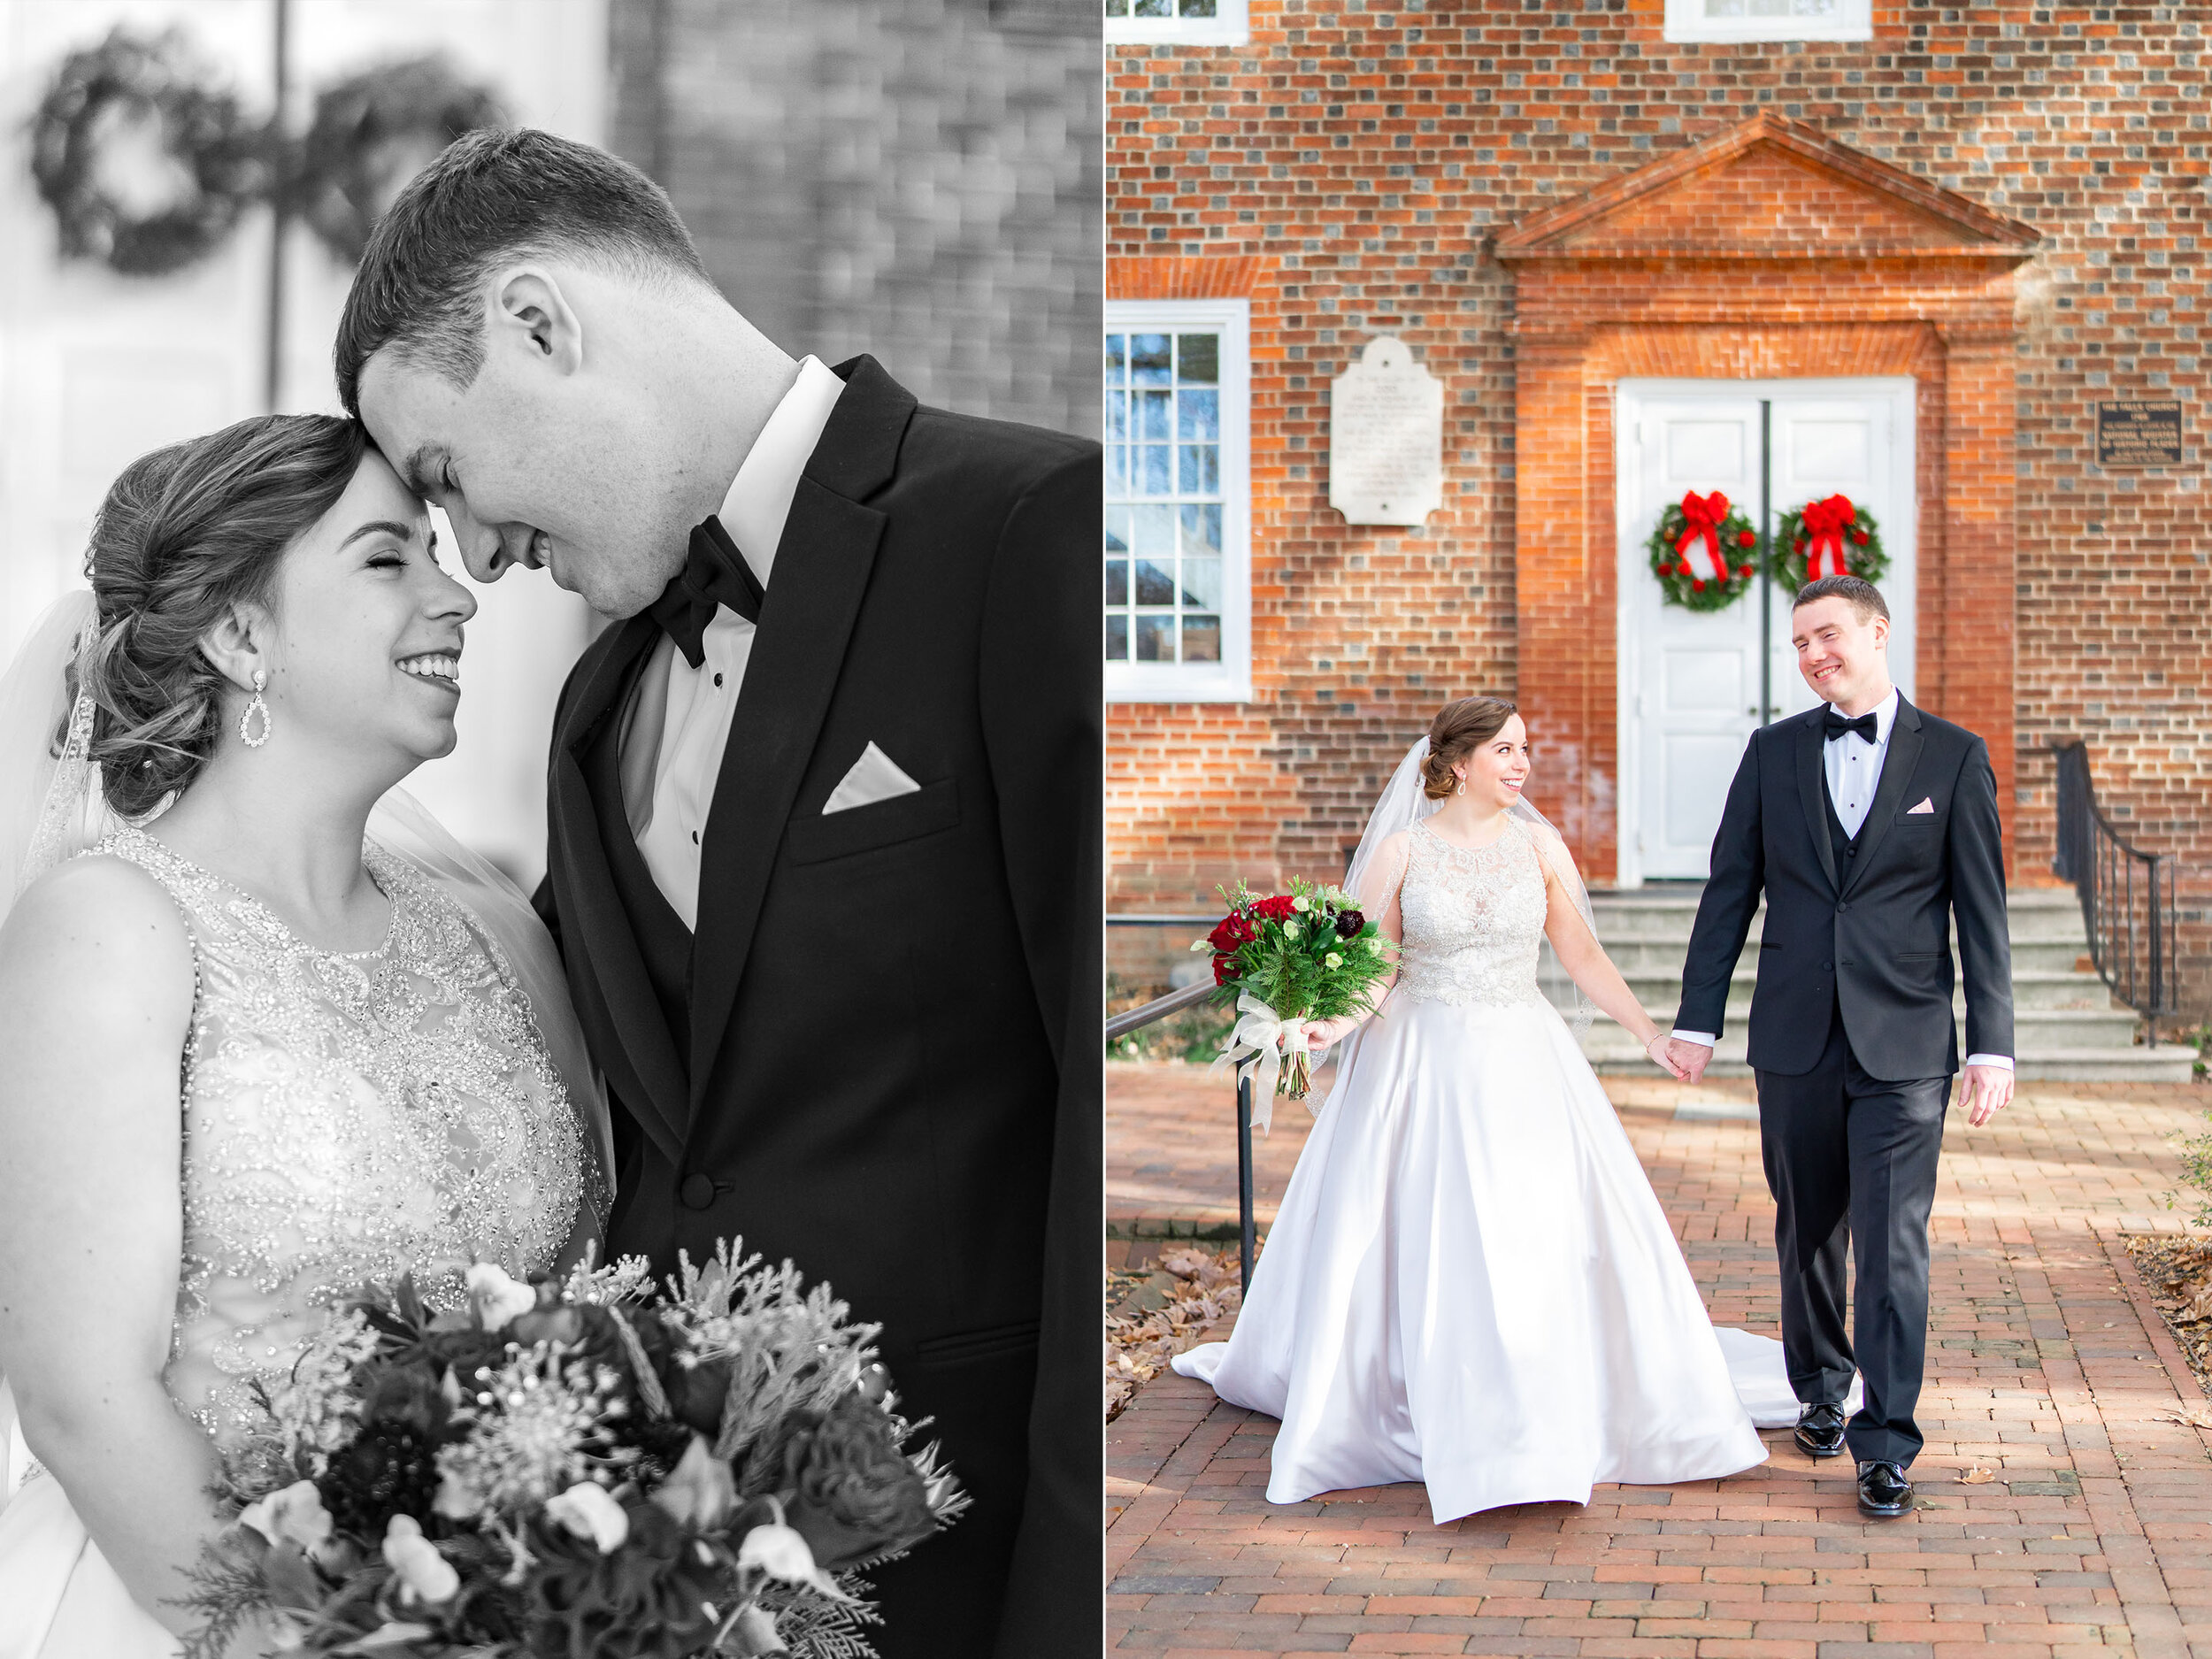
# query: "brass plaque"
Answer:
x=2138 y=433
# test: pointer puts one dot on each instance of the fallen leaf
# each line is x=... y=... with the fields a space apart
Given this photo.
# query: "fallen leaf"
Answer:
x=2195 y=1418
x=1976 y=1476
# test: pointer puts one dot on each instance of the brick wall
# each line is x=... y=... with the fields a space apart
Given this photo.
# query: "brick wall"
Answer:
x=1369 y=154
x=917 y=179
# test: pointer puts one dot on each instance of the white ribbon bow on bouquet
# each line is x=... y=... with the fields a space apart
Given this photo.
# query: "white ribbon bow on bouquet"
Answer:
x=1258 y=1044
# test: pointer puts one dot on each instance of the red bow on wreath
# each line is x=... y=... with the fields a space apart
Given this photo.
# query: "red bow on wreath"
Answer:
x=1825 y=522
x=1703 y=515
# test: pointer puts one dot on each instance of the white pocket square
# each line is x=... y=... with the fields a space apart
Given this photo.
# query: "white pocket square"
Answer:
x=875 y=777
x=1927 y=804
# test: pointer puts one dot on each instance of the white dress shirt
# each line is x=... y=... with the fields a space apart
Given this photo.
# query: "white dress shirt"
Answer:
x=681 y=718
x=1854 y=771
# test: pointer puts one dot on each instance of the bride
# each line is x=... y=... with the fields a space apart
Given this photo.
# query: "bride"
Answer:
x=1470 y=1282
x=272 y=1033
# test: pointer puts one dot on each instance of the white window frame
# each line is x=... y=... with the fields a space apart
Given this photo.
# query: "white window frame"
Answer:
x=1229 y=680
x=1230 y=25
x=1687 y=22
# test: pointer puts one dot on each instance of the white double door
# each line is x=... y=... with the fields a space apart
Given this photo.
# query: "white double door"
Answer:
x=1694 y=686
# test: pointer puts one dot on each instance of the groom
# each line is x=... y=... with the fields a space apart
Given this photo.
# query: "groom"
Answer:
x=1869 y=825
x=824 y=808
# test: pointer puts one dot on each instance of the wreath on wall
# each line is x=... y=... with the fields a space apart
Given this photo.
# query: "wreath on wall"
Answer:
x=1832 y=537
x=1704 y=552
x=373 y=132
x=145 y=163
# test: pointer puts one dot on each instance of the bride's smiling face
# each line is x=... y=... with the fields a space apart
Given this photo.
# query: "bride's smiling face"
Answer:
x=1495 y=771
x=365 y=653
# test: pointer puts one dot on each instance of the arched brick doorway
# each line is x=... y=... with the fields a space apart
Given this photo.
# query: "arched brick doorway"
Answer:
x=1766 y=253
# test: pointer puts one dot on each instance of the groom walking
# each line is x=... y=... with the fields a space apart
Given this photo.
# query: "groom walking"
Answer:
x=1869 y=825
x=824 y=812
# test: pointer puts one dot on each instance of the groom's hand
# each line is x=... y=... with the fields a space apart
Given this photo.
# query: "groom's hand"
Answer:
x=1985 y=1091
x=1690 y=1058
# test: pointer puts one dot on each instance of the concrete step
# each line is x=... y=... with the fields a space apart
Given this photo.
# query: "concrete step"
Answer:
x=1662 y=987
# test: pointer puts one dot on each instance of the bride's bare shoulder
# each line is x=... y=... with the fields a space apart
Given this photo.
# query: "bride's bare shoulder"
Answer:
x=97 y=923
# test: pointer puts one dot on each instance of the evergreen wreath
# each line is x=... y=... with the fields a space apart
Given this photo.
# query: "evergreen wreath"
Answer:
x=1703 y=551
x=373 y=132
x=1833 y=528
x=127 y=92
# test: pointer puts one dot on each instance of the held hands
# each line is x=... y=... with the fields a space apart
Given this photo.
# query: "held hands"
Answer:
x=1687 y=1060
x=1985 y=1091
x=1659 y=1050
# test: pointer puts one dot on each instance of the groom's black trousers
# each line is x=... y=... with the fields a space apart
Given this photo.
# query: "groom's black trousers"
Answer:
x=1851 y=1161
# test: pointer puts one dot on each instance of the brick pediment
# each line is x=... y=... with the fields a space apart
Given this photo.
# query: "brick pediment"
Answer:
x=1767 y=190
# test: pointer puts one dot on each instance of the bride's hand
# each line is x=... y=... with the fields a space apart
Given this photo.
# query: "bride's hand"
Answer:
x=1326 y=1033
x=1656 y=1051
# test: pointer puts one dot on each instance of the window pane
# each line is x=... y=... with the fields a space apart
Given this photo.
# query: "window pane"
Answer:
x=1155 y=638
x=1201 y=529
x=1117 y=349
x=1117 y=470
x=1116 y=415
x=1200 y=468
x=1153 y=479
x=1149 y=355
x=1198 y=414
x=1202 y=639
x=1117 y=531
x=1155 y=585
x=1202 y=584
x=1198 y=7
x=1154 y=530
x=1116 y=638
x=1152 y=415
x=1198 y=357
x=1116 y=581
x=1156 y=8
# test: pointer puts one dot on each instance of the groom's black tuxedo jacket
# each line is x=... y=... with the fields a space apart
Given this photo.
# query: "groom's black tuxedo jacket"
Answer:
x=878 y=1056
x=1861 y=927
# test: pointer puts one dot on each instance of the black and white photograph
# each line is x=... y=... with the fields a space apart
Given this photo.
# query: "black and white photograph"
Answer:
x=549 y=826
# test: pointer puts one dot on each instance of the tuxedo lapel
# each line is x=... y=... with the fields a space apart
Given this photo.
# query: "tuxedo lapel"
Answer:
x=637 y=1053
x=821 y=571
x=1905 y=742
x=1809 y=793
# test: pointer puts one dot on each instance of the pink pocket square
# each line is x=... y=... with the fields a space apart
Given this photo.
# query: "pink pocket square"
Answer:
x=1927 y=804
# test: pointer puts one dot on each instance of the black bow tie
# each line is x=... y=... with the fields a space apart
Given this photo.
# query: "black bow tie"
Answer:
x=1835 y=725
x=715 y=574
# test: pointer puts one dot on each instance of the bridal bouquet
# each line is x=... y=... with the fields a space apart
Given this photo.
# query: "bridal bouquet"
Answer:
x=579 y=1469
x=1286 y=960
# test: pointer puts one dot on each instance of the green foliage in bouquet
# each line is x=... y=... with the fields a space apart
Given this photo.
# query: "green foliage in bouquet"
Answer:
x=575 y=1467
x=1307 y=954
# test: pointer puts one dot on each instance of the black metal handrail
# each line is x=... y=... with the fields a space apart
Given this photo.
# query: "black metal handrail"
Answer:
x=2128 y=898
x=1175 y=1002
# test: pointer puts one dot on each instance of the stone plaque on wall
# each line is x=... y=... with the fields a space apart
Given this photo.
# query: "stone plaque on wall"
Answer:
x=2137 y=432
x=1386 y=437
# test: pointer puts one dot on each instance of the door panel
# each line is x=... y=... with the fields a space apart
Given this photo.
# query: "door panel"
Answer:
x=1690 y=682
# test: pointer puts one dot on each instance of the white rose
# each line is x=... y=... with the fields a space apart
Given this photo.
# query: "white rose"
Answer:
x=414 y=1560
x=499 y=1300
x=590 y=1511
x=781 y=1552
x=1332 y=960
x=295 y=1516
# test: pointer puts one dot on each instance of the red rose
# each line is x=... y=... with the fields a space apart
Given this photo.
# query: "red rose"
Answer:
x=1224 y=969
x=1747 y=539
x=1231 y=932
x=1274 y=910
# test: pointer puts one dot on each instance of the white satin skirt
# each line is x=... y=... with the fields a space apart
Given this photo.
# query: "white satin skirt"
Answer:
x=58 y=1597
x=1471 y=1284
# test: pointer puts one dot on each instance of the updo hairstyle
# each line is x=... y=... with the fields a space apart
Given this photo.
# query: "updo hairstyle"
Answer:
x=1457 y=731
x=186 y=534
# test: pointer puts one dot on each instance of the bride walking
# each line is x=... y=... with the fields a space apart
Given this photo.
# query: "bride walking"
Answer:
x=273 y=1034
x=1470 y=1282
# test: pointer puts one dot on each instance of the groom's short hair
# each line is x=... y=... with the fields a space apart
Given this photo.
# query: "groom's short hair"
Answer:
x=1863 y=596
x=490 y=196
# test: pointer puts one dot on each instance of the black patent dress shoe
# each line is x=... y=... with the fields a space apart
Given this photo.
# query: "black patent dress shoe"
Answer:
x=1820 y=1430
x=1883 y=1489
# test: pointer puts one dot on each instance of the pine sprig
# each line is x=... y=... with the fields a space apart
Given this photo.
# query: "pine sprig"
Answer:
x=228 y=1589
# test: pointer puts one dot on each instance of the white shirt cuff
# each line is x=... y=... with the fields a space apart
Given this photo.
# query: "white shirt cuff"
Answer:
x=1705 y=1037
x=2004 y=1060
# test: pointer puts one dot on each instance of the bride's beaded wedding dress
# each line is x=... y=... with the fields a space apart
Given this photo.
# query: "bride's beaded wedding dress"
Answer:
x=1470 y=1282
x=346 y=1116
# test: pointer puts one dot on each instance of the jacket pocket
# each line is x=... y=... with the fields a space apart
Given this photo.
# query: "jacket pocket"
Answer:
x=814 y=839
x=964 y=1347
x=1770 y=945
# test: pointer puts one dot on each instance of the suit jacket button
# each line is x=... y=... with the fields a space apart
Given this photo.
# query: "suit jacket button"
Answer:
x=1827 y=967
x=697 y=1192
x=1842 y=908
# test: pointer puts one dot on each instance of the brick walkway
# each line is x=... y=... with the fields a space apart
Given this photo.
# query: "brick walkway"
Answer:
x=2047 y=1368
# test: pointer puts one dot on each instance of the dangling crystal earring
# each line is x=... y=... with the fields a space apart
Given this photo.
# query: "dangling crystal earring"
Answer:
x=257 y=707
x=1463 y=787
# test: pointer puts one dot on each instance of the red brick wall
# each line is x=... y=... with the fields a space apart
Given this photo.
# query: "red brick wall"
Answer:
x=1371 y=156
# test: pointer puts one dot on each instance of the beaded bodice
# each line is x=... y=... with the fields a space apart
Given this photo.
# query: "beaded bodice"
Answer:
x=1472 y=918
x=349 y=1117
